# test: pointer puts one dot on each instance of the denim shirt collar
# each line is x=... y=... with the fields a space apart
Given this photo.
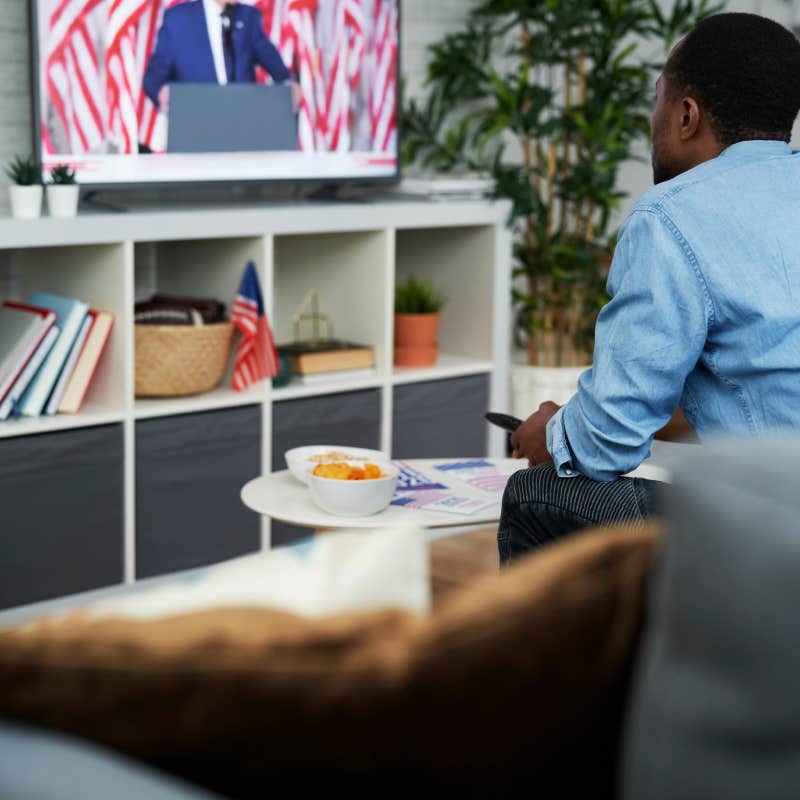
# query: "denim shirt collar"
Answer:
x=755 y=148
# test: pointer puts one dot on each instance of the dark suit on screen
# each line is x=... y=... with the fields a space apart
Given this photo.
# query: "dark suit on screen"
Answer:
x=183 y=51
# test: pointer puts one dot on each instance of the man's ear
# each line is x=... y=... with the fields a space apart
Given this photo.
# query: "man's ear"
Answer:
x=690 y=118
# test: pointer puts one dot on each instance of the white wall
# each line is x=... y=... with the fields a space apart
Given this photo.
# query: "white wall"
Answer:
x=637 y=177
x=15 y=104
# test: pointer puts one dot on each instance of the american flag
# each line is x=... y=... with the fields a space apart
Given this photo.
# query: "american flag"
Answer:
x=298 y=47
x=124 y=70
x=344 y=74
x=383 y=92
x=256 y=356
x=272 y=14
x=73 y=74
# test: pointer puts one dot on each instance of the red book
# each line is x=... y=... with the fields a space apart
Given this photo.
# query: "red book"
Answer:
x=26 y=347
x=87 y=362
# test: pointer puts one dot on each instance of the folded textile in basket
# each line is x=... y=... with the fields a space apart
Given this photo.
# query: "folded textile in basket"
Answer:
x=164 y=309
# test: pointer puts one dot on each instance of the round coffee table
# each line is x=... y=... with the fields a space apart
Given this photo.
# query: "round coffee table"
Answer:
x=281 y=496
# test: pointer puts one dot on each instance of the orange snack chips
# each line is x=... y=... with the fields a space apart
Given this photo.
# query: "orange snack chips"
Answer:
x=345 y=472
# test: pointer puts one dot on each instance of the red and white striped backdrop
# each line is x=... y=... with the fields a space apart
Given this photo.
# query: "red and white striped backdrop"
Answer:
x=383 y=94
x=72 y=74
x=96 y=51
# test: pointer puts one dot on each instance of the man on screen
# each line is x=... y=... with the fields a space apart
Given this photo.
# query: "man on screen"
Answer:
x=210 y=41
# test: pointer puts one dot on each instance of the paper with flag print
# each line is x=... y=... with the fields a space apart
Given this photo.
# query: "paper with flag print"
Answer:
x=478 y=472
x=256 y=356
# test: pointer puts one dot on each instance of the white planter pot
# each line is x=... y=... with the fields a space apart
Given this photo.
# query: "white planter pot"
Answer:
x=531 y=386
x=62 y=200
x=26 y=201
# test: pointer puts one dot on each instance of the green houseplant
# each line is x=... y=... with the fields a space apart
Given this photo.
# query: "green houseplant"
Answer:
x=549 y=97
x=62 y=192
x=417 y=313
x=25 y=190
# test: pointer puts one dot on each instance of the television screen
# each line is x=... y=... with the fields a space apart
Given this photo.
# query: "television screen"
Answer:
x=159 y=91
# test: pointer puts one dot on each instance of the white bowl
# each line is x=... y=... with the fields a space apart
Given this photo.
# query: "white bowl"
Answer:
x=354 y=498
x=297 y=459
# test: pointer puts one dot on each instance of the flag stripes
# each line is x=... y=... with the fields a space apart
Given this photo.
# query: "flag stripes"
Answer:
x=256 y=355
x=96 y=53
x=383 y=102
x=73 y=75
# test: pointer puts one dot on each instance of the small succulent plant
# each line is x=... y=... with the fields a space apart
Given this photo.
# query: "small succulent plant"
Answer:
x=417 y=296
x=62 y=175
x=24 y=171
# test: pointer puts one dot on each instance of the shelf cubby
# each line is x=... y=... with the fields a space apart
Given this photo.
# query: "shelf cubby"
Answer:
x=207 y=268
x=350 y=272
x=457 y=260
x=97 y=275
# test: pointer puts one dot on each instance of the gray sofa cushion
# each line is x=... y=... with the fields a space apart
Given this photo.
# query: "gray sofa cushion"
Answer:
x=39 y=765
x=715 y=706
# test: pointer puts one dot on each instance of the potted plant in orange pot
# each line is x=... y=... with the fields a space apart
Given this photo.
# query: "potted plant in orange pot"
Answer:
x=417 y=311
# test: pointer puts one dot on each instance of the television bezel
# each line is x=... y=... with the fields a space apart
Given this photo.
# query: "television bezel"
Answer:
x=108 y=186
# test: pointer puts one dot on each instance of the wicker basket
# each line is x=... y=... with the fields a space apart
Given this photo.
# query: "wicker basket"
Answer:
x=174 y=360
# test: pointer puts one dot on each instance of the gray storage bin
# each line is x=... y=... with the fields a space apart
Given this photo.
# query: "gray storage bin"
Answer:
x=189 y=472
x=441 y=419
x=61 y=513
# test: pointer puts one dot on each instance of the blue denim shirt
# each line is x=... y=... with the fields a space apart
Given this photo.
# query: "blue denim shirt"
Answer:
x=705 y=314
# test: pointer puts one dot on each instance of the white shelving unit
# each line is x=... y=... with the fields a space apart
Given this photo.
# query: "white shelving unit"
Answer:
x=351 y=253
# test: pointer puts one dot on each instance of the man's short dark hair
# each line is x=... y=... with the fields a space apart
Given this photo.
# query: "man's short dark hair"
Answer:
x=744 y=70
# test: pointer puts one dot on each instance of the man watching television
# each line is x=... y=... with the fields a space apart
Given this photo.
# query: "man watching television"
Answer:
x=210 y=41
x=705 y=287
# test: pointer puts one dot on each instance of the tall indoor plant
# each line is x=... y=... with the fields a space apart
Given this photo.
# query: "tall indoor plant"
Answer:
x=549 y=97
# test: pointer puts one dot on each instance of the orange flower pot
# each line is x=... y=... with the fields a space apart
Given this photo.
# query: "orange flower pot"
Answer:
x=415 y=342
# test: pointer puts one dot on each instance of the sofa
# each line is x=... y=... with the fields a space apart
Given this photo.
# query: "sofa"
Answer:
x=658 y=664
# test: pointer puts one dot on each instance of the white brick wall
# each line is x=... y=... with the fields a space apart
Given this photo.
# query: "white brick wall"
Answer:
x=15 y=102
x=425 y=22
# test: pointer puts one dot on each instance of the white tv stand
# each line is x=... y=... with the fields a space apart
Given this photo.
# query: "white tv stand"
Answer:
x=351 y=252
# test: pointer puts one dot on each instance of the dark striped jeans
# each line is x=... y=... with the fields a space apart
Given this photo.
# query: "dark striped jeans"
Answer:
x=539 y=507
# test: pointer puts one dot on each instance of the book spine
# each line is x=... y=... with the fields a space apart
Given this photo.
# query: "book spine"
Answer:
x=22 y=354
x=67 y=369
x=35 y=397
x=82 y=375
x=88 y=360
x=27 y=374
x=311 y=363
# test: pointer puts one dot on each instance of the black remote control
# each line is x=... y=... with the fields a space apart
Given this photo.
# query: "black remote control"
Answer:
x=505 y=421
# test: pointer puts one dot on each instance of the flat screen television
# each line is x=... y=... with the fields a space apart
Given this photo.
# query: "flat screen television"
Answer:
x=154 y=92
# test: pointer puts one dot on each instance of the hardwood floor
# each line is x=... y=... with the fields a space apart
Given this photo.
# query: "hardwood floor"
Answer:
x=456 y=560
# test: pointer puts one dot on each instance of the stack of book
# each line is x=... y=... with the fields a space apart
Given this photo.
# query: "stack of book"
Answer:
x=49 y=350
x=330 y=359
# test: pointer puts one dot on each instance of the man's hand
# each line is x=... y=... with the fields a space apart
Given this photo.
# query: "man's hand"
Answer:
x=530 y=439
x=163 y=100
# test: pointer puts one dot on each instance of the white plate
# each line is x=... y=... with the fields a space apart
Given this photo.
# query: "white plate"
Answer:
x=297 y=459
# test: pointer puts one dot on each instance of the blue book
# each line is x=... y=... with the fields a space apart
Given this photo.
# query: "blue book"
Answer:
x=70 y=315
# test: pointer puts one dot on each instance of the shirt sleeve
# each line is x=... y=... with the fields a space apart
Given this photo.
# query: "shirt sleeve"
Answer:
x=160 y=69
x=267 y=54
x=648 y=338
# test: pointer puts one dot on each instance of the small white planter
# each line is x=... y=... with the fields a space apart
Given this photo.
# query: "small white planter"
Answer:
x=62 y=200
x=531 y=386
x=26 y=201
